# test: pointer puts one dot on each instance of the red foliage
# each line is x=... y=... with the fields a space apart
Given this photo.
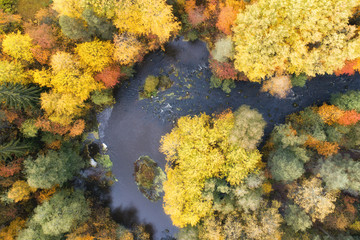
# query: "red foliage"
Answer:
x=10 y=169
x=48 y=126
x=109 y=76
x=348 y=69
x=349 y=118
x=196 y=16
x=42 y=35
x=41 y=55
x=223 y=70
x=226 y=19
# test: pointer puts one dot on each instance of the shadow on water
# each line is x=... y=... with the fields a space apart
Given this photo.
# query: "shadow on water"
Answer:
x=134 y=128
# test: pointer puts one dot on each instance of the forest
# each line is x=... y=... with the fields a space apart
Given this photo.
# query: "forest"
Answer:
x=227 y=174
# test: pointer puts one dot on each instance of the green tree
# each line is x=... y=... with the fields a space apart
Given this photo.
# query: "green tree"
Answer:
x=100 y=27
x=12 y=148
x=63 y=212
x=74 y=28
x=297 y=218
x=53 y=168
x=311 y=37
x=18 y=96
x=347 y=101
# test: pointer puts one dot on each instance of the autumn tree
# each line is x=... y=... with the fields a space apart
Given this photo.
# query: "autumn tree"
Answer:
x=146 y=17
x=347 y=101
x=127 y=49
x=18 y=46
x=315 y=200
x=55 y=167
x=278 y=86
x=11 y=168
x=109 y=76
x=20 y=191
x=223 y=50
x=11 y=232
x=306 y=37
x=95 y=55
x=12 y=72
x=193 y=157
x=297 y=218
x=226 y=19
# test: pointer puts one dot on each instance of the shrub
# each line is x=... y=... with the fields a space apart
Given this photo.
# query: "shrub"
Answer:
x=151 y=84
x=223 y=50
x=298 y=80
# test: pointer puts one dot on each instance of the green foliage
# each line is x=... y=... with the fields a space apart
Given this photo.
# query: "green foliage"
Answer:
x=188 y=233
x=164 y=83
x=227 y=85
x=297 y=218
x=9 y=6
x=215 y=82
x=28 y=128
x=63 y=212
x=248 y=129
x=298 y=80
x=340 y=173
x=100 y=27
x=103 y=98
x=347 y=101
x=11 y=148
x=224 y=50
x=285 y=165
x=35 y=232
x=19 y=96
x=104 y=161
x=192 y=35
x=74 y=28
x=151 y=84
x=52 y=168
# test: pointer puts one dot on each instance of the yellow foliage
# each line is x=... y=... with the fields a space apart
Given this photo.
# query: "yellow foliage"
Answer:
x=103 y=8
x=294 y=37
x=18 y=46
x=355 y=226
x=76 y=83
x=71 y=8
x=201 y=149
x=146 y=17
x=63 y=61
x=45 y=194
x=330 y=114
x=42 y=77
x=61 y=108
x=10 y=232
x=12 y=72
x=95 y=55
x=19 y=191
x=127 y=49
x=267 y=188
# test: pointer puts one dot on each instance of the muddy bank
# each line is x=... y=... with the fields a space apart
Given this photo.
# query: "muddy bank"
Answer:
x=133 y=128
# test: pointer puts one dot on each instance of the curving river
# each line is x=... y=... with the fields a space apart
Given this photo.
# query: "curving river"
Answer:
x=134 y=127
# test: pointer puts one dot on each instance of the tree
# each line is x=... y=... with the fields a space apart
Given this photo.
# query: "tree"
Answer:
x=347 y=101
x=102 y=8
x=18 y=46
x=12 y=72
x=223 y=70
x=146 y=17
x=297 y=218
x=224 y=50
x=43 y=35
x=70 y=8
x=285 y=165
x=52 y=168
x=248 y=128
x=64 y=211
x=63 y=61
x=127 y=49
x=11 y=168
x=20 y=191
x=278 y=86
x=18 y=96
x=11 y=232
x=95 y=55
x=311 y=196
x=311 y=37
x=12 y=148
x=197 y=149
x=226 y=19
x=349 y=118
x=330 y=114
x=97 y=25
x=74 y=28
x=61 y=108
x=109 y=76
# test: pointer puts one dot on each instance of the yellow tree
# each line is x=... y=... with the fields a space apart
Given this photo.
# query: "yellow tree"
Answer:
x=18 y=46
x=127 y=49
x=71 y=8
x=146 y=17
x=197 y=149
x=294 y=37
x=95 y=55
x=20 y=190
x=11 y=232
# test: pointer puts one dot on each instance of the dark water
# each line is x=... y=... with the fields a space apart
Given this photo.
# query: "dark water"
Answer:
x=134 y=127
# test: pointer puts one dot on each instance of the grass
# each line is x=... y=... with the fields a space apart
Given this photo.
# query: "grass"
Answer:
x=28 y=8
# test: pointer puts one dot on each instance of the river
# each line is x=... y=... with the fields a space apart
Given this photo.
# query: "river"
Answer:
x=134 y=127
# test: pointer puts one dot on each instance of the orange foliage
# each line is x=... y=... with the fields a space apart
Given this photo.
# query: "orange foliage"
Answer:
x=349 y=118
x=223 y=70
x=10 y=232
x=77 y=128
x=196 y=16
x=330 y=114
x=45 y=194
x=8 y=170
x=42 y=35
x=48 y=126
x=277 y=86
x=54 y=145
x=348 y=69
x=41 y=55
x=226 y=19
x=323 y=148
x=11 y=116
x=109 y=76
